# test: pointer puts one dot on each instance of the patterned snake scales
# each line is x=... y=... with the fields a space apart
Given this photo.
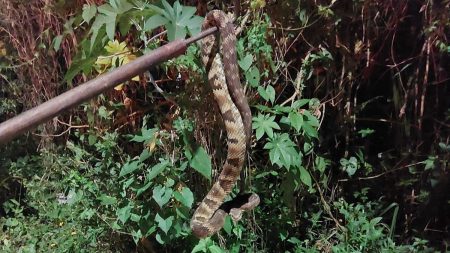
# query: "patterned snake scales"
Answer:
x=224 y=81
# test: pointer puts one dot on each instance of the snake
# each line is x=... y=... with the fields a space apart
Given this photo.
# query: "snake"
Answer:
x=223 y=77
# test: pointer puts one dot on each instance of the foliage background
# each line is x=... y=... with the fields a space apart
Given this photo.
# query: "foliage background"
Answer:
x=350 y=103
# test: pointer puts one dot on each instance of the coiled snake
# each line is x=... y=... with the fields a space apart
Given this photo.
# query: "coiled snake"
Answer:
x=224 y=81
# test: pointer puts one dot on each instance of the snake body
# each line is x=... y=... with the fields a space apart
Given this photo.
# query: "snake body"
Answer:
x=223 y=77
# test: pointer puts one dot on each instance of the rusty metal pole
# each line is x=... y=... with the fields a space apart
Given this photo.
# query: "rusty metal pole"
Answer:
x=28 y=120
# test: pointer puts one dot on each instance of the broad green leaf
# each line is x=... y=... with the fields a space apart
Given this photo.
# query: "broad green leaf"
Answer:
x=186 y=197
x=137 y=235
x=111 y=26
x=429 y=163
x=103 y=113
x=264 y=123
x=175 y=31
x=89 y=12
x=305 y=177
x=107 y=200
x=56 y=42
x=444 y=146
x=194 y=24
x=186 y=14
x=321 y=164
x=124 y=23
x=309 y=130
x=145 y=154
x=87 y=214
x=268 y=93
x=253 y=77
x=78 y=66
x=271 y=93
x=124 y=213
x=350 y=166
x=169 y=10
x=299 y=103
x=155 y=21
x=129 y=167
x=201 y=162
x=146 y=135
x=159 y=239
x=246 y=62
x=162 y=195
x=164 y=224
x=99 y=22
x=156 y=169
x=143 y=189
x=296 y=120
x=107 y=9
x=215 y=249
x=201 y=246
x=227 y=226
x=313 y=121
x=123 y=6
x=262 y=92
x=282 y=151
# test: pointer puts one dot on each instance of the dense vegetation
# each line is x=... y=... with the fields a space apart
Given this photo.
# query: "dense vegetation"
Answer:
x=351 y=145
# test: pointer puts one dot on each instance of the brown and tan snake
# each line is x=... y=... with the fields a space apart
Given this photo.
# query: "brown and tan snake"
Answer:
x=229 y=94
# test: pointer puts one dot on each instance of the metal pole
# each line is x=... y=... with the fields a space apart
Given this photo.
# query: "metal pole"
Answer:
x=28 y=120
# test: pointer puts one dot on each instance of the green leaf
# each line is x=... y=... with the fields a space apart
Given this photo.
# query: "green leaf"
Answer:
x=246 y=62
x=102 y=112
x=366 y=132
x=147 y=135
x=187 y=12
x=253 y=77
x=129 y=167
x=296 y=120
x=137 y=235
x=305 y=177
x=124 y=213
x=444 y=146
x=227 y=226
x=309 y=130
x=107 y=9
x=282 y=151
x=201 y=246
x=107 y=200
x=143 y=189
x=156 y=169
x=186 y=197
x=201 y=162
x=162 y=195
x=155 y=21
x=268 y=93
x=321 y=164
x=123 y=6
x=57 y=42
x=429 y=163
x=271 y=93
x=215 y=249
x=350 y=166
x=175 y=31
x=169 y=10
x=164 y=224
x=299 y=103
x=89 y=12
x=78 y=66
x=264 y=123
x=194 y=24
x=125 y=23
x=111 y=26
